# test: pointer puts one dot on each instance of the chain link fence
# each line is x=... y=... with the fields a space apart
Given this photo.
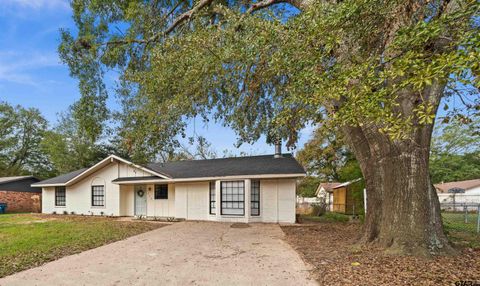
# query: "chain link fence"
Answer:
x=461 y=212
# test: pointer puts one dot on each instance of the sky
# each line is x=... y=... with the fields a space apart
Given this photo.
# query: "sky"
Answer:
x=32 y=75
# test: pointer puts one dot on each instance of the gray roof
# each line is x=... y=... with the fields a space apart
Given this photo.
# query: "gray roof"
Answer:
x=236 y=166
x=4 y=180
x=62 y=179
x=131 y=179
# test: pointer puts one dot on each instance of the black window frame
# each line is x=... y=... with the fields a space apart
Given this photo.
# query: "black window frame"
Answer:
x=224 y=195
x=98 y=200
x=161 y=192
x=255 y=198
x=213 y=199
x=58 y=191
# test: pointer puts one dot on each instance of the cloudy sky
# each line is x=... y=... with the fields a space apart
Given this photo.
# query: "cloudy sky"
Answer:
x=32 y=75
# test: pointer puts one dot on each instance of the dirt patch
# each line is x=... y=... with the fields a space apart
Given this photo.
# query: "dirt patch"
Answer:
x=337 y=260
x=240 y=225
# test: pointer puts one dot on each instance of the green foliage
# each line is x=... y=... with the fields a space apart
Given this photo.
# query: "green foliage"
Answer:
x=21 y=132
x=269 y=73
x=327 y=156
x=455 y=154
x=328 y=217
x=69 y=147
x=308 y=186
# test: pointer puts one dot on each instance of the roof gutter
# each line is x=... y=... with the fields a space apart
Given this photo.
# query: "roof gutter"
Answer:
x=266 y=176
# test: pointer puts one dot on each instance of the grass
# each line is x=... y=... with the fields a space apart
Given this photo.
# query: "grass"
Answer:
x=327 y=217
x=461 y=233
x=28 y=240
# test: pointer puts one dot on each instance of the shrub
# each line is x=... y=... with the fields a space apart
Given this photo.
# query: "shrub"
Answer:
x=65 y=212
x=319 y=209
x=331 y=216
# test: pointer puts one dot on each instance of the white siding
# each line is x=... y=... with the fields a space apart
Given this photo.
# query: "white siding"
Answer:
x=286 y=200
x=197 y=201
x=126 y=200
x=268 y=200
x=78 y=195
x=48 y=200
x=163 y=207
x=181 y=200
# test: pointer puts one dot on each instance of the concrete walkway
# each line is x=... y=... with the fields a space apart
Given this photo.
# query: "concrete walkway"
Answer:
x=193 y=253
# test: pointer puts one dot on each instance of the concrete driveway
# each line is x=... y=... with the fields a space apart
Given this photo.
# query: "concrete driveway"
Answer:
x=193 y=253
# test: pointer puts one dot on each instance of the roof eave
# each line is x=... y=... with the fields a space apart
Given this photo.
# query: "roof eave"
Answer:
x=196 y=179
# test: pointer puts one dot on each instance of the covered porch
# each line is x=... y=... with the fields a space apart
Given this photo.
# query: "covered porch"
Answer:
x=147 y=200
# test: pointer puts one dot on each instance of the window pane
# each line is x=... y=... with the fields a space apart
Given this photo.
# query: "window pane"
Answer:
x=212 y=198
x=255 y=198
x=161 y=192
x=60 y=199
x=98 y=196
x=232 y=194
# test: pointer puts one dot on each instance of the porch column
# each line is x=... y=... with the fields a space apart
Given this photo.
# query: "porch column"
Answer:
x=218 y=202
x=248 y=186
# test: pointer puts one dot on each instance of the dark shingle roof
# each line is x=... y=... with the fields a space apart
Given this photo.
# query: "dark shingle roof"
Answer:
x=131 y=179
x=4 y=180
x=237 y=166
x=62 y=179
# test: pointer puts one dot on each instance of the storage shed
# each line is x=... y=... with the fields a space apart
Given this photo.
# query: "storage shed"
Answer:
x=347 y=197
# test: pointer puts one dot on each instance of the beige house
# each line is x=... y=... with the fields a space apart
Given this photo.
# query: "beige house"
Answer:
x=242 y=189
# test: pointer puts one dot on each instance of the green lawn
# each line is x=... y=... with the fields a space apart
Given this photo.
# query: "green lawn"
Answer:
x=459 y=232
x=28 y=240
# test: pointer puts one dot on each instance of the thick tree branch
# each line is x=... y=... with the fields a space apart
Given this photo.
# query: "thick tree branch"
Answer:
x=267 y=3
x=187 y=15
x=300 y=4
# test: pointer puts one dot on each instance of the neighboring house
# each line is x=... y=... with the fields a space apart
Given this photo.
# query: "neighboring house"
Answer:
x=243 y=189
x=344 y=199
x=470 y=195
x=18 y=194
x=325 y=192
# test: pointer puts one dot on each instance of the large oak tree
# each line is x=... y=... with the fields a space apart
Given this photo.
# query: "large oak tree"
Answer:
x=375 y=69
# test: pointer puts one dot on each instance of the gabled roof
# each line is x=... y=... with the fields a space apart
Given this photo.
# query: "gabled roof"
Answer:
x=235 y=166
x=62 y=179
x=466 y=185
x=347 y=183
x=195 y=169
x=4 y=180
x=75 y=176
x=327 y=186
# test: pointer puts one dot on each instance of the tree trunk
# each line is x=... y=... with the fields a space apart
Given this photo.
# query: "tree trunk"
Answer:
x=403 y=211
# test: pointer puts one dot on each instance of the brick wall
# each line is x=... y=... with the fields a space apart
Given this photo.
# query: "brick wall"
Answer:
x=21 y=201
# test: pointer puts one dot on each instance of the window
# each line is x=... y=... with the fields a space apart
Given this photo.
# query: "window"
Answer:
x=255 y=198
x=98 y=196
x=233 y=198
x=161 y=192
x=60 y=196
x=212 y=198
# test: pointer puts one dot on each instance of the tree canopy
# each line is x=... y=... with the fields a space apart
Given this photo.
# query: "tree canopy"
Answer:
x=270 y=72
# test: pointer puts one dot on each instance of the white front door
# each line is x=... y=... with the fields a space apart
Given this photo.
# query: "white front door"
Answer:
x=140 y=200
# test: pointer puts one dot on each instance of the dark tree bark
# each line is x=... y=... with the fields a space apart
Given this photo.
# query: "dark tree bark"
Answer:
x=403 y=211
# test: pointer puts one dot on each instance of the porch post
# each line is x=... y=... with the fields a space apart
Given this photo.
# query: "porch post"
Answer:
x=218 y=201
x=248 y=186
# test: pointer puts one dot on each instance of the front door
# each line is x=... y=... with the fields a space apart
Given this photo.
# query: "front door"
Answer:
x=140 y=200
